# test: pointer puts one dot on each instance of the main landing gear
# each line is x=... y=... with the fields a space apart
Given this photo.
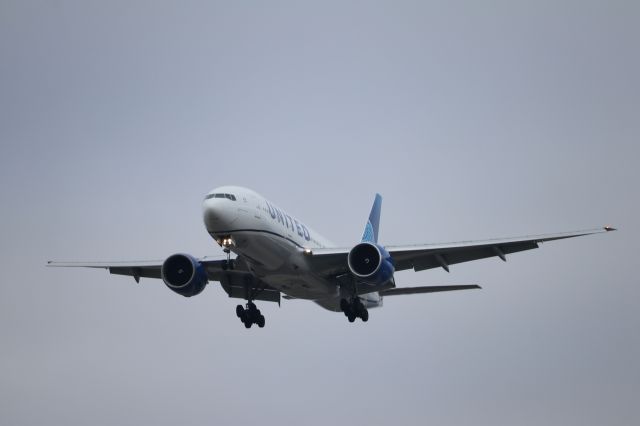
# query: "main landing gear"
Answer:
x=250 y=315
x=353 y=309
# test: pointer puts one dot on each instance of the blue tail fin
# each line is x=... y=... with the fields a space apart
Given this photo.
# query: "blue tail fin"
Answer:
x=371 y=228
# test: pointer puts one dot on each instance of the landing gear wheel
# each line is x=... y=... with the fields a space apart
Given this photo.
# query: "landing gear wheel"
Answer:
x=365 y=316
x=250 y=315
x=354 y=309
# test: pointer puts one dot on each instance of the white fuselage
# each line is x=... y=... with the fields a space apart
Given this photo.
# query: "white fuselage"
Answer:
x=272 y=243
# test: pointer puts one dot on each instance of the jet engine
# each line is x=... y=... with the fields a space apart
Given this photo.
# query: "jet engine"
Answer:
x=184 y=275
x=371 y=263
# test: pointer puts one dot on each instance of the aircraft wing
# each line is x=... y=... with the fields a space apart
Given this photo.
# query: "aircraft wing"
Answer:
x=136 y=269
x=233 y=281
x=143 y=268
x=430 y=256
x=441 y=255
x=426 y=289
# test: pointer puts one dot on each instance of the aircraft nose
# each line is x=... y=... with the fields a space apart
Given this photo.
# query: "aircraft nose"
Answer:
x=218 y=215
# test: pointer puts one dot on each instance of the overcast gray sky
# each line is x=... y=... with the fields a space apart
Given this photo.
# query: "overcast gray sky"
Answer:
x=472 y=119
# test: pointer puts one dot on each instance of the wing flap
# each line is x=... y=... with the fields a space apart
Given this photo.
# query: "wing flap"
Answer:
x=264 y=294
x=243 y=285
x=420 y=260
x=427 y=289
x=136 y=272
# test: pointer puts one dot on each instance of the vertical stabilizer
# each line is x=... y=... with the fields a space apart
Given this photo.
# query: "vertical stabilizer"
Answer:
x=371 y=228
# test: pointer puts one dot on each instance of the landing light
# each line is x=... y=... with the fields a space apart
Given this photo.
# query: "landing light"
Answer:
x=307 y=251
x=227 y=242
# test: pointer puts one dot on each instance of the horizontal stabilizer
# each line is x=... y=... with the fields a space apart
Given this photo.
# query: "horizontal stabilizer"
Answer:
x=427 y=289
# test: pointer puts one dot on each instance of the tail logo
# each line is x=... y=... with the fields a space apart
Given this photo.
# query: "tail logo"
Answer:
x=371 y=228
x=368 y=233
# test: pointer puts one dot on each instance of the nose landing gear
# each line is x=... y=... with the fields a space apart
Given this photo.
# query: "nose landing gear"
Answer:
x=250 y=315
x=226 y=244
x=353 y=309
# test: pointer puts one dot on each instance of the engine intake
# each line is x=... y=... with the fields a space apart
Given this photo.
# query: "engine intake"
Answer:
x=184 y=275
x=371 y=263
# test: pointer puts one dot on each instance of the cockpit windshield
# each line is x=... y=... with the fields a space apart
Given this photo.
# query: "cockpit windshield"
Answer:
x=227 y=196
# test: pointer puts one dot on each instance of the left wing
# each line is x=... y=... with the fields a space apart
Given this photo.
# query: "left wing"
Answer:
x=427 y=256
x=430 y=256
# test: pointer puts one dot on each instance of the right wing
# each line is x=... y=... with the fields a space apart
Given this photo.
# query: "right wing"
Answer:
x=143 y=268
x=426 y=289
x=238 y=283
x=135 y=269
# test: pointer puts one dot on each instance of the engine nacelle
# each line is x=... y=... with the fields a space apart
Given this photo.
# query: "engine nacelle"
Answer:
x=371 y=263
x=184 y=275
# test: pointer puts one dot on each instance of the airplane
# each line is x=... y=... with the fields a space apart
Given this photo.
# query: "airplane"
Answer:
x=278 y=256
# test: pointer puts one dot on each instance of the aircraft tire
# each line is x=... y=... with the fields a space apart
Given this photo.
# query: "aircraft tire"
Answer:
x=365 y=316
